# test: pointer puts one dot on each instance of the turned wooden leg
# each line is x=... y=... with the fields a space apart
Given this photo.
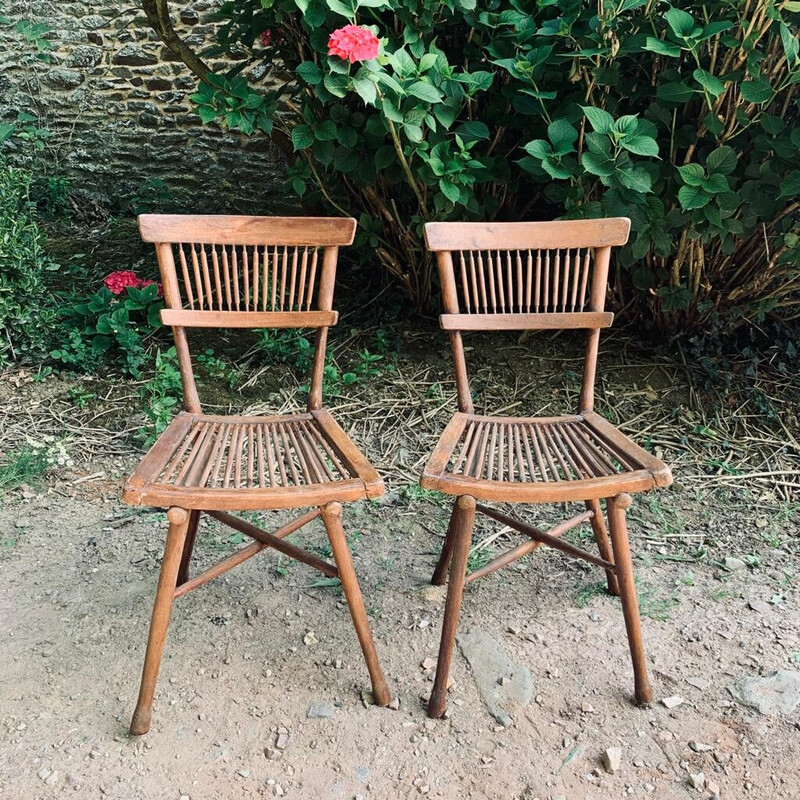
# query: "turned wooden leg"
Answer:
x=627 y=588
x=332 y=517
x=440 y=573
x=188 y=547
x=462 y=536
x=603 y=543
x=176 y=537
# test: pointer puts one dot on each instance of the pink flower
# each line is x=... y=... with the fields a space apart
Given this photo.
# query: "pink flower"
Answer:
x=353 y=43
x=119 y=281
x=266 y=37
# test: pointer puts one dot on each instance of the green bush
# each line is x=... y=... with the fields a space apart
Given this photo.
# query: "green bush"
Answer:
x=682 y=119
x=26 y=315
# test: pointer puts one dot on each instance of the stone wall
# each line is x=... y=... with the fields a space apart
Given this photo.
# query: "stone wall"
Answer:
x=117 y=103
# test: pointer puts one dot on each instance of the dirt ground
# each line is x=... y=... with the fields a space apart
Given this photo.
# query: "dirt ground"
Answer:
x=78 y=573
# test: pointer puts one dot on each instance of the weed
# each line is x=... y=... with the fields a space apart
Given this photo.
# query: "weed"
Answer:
x=588 y=592
x=478 y=557
x=25 y=466
x=414 y=493
x=80 y=397
x=217 y=368
x=654 y=604
x=161 y=394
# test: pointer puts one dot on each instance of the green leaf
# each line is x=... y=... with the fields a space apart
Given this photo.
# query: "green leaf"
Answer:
x=722 y=160
x=309 y=72
x=336 y=85
x=716 y=184
x=661 y=47
x=600 y=120
x=563 y=135
x=342 y=9
x=757 y=91
x=556 y=169
x=425 y=91
x=713 y=85
x=539 y=148
x=637 y=179
x=385 y=156
x=473 y=131
x=674 y=92
x=325 y=131
x=681 y=22
x=402 y=63
x=692 y=174
x=449 y=190
x=302 y=137
x=692 y=197
x=366 y=90
x=790 y=185
x=640 y=145
x=598 y=164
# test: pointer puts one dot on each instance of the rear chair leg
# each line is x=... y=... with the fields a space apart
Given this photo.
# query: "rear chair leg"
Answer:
x=440 y=573
x=461 y=534
x=332 y=517
x=176 y=537
x=630 y=605
x=603 y=544
x=188 y=547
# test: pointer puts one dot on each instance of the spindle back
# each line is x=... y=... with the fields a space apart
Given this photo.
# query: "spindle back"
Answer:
x=223 y=271
x=525 y=276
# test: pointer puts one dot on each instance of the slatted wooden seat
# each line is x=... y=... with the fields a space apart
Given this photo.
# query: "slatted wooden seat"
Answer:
x=533 y=276
x=528 y=460
x=250 y=462
x=249 y=272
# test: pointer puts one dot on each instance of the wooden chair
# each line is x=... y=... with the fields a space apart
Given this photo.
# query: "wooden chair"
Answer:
x=533 y=276
x=249 y=272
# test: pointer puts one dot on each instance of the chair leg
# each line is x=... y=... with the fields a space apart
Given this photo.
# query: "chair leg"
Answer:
x=440 y=573
x=461 y=532
x=603 y=543
x=176 y=537
x=332 y=517
x=630 y=605
x=188 y=547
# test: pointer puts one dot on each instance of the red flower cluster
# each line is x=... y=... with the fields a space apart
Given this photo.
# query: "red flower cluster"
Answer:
x=353 y=43
x=266 y=37
x=118 y=282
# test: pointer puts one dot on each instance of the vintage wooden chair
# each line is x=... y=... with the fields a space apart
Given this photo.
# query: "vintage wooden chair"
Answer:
x=249 y=272
x=533 y=276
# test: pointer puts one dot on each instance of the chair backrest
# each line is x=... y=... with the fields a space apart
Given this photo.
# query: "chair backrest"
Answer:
x=247 y=272
x=525 y=276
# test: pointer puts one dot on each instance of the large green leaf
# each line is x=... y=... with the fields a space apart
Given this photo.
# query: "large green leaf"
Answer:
x=669 y=49
x=598 y=164
x=600 y=120
x=691 y=197
x=757 y=91
x=539 y=148
x=681 y=22
x=722 y=160
x=640 y=145
x=709 y=82
x=309 y=72
x=563 y=135
x=692 y=174
x=302 y=137
x=674 y=92
x=424 y=91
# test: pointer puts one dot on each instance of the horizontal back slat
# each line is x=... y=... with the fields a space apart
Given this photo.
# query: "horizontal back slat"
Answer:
x=243 y=230
x=558 y=234
x=248 y=319
x=520 y=322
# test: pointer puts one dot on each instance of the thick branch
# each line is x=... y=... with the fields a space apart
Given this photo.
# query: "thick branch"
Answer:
x=158 y=15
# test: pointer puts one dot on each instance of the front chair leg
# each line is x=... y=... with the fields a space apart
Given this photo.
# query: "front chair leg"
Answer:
x=440 y=573
x=616 y=507
x=176 y=537
x=461 y=533
x=603 y=544
x=332 y=517
x=188 y=547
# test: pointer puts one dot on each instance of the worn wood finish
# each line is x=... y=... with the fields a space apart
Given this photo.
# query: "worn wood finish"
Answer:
x=332 y=517
x=462 y=533
x=249 y=272
x=533 y=276
x=162 y=608
x=616 y=507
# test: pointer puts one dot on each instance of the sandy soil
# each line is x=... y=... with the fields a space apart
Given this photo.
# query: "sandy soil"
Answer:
x=78 y=573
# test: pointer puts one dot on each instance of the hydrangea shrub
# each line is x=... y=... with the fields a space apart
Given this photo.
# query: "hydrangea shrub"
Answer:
x=404 y=111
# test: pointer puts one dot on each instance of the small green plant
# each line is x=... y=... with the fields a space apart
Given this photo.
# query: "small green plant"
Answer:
x=109 y=327
x=216 y=367
x=154 y=196
x=35 y=34
x=80 y=397
x=161 y=394
x=290 y=347
x=24 y=466
x=585 y=594
x=27 y=318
